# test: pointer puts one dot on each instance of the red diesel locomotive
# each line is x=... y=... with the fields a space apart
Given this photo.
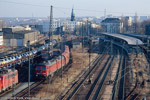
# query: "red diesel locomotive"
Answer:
x=8 y=79
x=47 y=68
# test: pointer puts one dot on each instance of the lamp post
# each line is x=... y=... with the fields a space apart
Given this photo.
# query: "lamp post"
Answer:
x=28 y=44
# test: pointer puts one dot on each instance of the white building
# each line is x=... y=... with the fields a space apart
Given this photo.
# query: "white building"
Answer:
x=128 y=21
x=69 y=25
x=1 y=40
x=112 y=25
x=142 y=18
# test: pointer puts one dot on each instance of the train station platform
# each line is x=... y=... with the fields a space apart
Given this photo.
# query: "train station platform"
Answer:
x=129 y=40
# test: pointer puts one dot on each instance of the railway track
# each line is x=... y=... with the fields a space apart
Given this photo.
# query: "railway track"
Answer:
x=76 y=86
x=134 y=94
x=115 y=86
x=24 y=93
x=98 y=86
x=21 y=78
x=121 y=82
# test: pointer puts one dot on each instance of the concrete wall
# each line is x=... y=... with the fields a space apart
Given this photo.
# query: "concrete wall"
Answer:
x=14 y=42
x=1 y=41
x=33 y=37
x=77 y=45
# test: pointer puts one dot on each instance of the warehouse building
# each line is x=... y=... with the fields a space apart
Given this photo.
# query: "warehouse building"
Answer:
x=1 y=40
x=19 y=37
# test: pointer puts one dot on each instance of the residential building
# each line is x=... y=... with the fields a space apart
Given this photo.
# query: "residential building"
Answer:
x=127 y=23
x=128 y=20
x=68 y=25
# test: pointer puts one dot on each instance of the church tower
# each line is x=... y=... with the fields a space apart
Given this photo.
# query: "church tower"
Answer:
x=72 y=15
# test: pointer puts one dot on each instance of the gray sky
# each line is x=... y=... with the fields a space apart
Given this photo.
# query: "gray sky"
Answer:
x=62 y=8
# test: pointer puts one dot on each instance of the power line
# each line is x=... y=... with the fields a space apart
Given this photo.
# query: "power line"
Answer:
x=100 y=11
x=24 y=4
x=27 y=4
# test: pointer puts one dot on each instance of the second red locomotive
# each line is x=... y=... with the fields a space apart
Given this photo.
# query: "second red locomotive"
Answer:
x=47 y=68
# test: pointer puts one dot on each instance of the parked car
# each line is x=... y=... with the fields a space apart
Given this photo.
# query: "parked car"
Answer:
x=2 y=61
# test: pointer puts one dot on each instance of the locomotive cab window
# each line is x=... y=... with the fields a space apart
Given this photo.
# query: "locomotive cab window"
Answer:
x=43 y=68
x=38 y=68
x=1 y=78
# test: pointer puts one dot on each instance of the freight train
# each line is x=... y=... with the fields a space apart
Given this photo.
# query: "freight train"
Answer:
x=8 y=78
x=48 y=68
x=21 y=56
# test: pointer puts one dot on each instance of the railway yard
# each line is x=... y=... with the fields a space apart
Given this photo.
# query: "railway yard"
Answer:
x=114 y=69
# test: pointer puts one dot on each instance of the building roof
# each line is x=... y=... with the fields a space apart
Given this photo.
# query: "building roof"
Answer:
x=24 y=32
x=111 y=20
x=18 y=34
x=128 y=39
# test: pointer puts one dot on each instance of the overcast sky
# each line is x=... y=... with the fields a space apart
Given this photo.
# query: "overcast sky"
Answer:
x=62 y=8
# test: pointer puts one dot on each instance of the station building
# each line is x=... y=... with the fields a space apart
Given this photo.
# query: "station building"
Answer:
x=112 y=25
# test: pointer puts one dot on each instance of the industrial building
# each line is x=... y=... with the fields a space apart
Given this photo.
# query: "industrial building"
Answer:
x=18 y=37
x=1 y=40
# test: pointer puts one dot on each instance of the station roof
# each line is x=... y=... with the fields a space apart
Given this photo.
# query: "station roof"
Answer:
x=140 y=36
x=128 y=39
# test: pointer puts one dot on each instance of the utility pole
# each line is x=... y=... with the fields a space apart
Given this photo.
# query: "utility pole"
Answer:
x=61 y=47
x=51 y=28
x=87 y=27
x=111 y=55
x=13 y=70
x=89 y=42
x=89 y=59
x=82 y=39
x=136 y=22
x=33 y=25
x=28 y=43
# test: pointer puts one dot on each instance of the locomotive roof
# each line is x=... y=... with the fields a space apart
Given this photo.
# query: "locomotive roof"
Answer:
x=3 y=72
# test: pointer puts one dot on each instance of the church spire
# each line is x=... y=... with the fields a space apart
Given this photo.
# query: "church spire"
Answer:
x=72 y=15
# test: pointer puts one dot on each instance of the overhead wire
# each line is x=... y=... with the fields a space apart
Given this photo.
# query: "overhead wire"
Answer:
x=27 y=4
x=98 y=11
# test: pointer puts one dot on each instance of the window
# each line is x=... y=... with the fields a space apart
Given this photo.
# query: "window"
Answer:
x=11 y=75
x=38 y=68
x=44 y=68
